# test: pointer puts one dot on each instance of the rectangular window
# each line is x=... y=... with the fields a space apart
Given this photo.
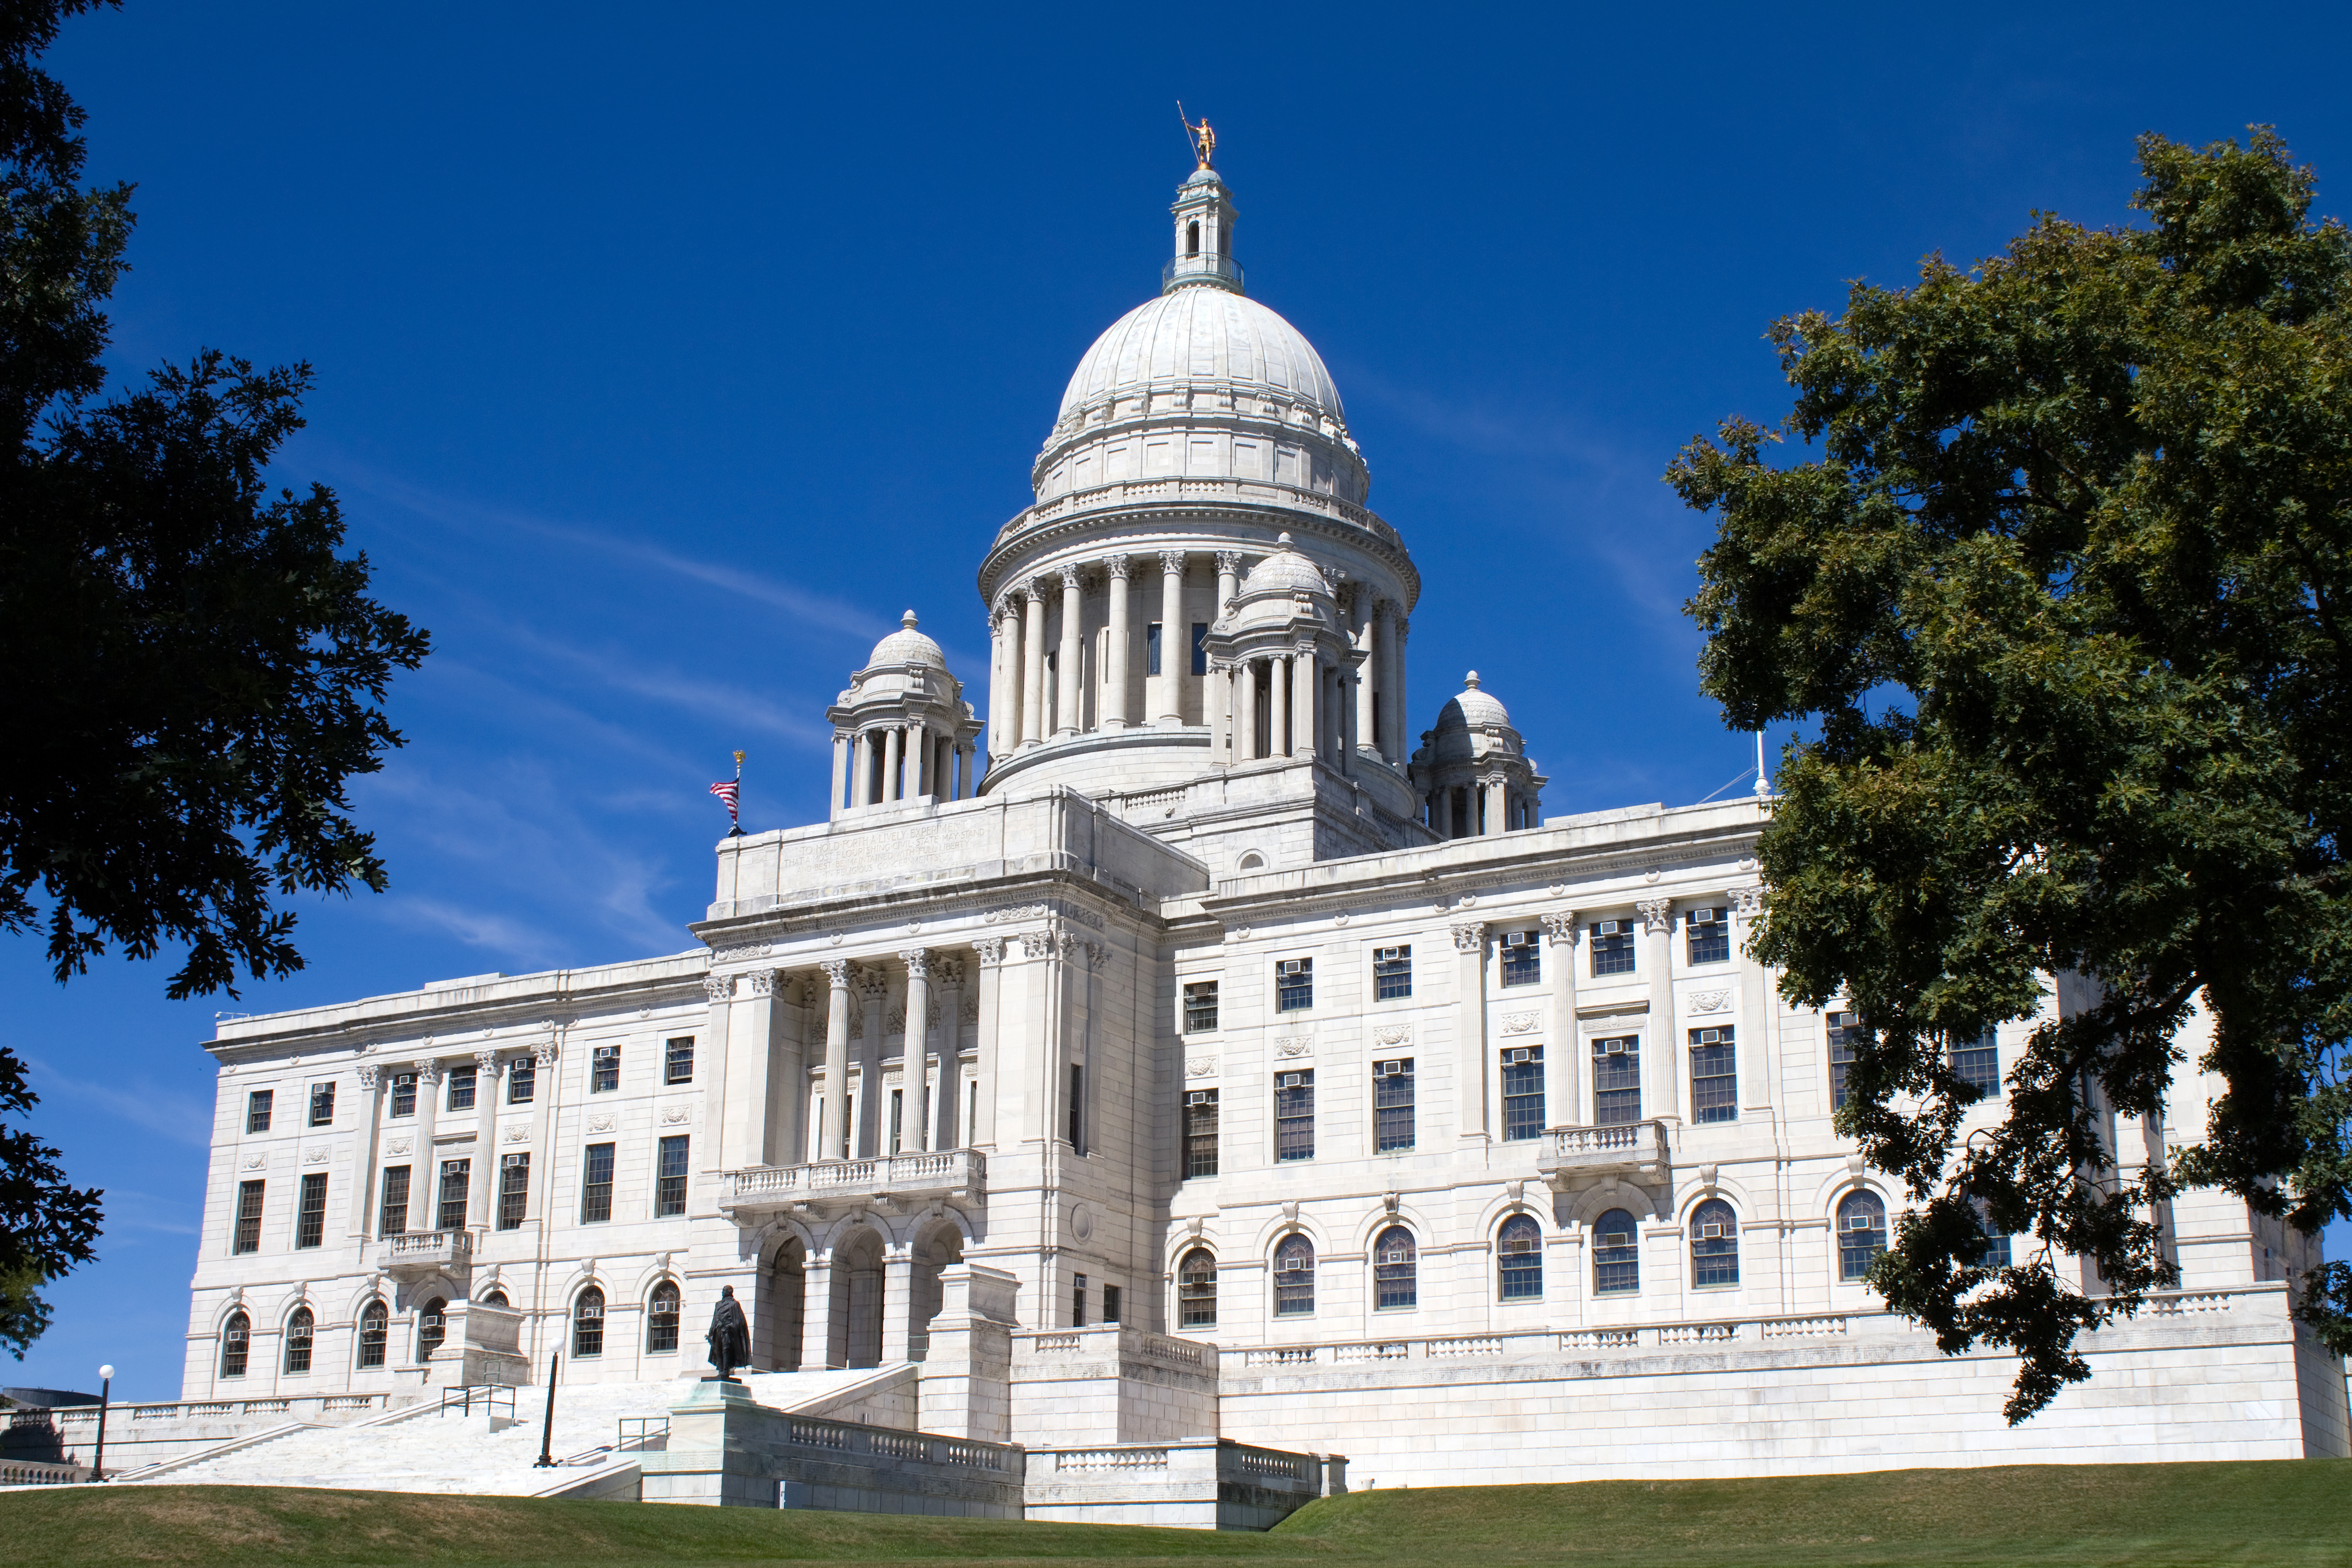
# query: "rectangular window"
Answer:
x=1294 y=985
x=1522 y=957
x=1200 y=647
x=322 y=1105
x=678 y=1060
x=1617 y=1081
x=1391 y=974
x=1152 y=649
x=1845 y=1033
x=670 y=1179
x=310 y=1214
x=249 y=1218
x=1200 y=1133
x=1979 y=1062
x=596 y=1185
x=1715 y=1076
x=1078 y=1303
x=456 y=1179
x=522 y=1081
x=1294 y=1115
x=1393 y=1105
x=605 y=1070
x=1523 y=1093
x=1200 y=1007
x=898 y=1118
x=1111 y=1304
x=256 y=1110
x=514 y=1190
x=403 y=1094
x=461 y=1090
x=1077 y=1109
x=1612 y=948
x=1709 y=933
x=391 y=1210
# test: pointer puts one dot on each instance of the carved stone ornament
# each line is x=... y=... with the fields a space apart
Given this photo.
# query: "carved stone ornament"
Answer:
x=950 y=972
x=1657 y=916
x=1521 y=1022
x=1466 y=902
x=1097 y=954
x=547 y=1051
x=1200 y=1067
x=763 y=982
x=1293 y=1045
x=316 y=1156
x=1340 y=918
x=368 y=1072
x=1709 y=1001
x=990 y=950
x=487 y=1064
x=1559 y=927
x=971 y=1009
x=1017 y=913
x=1470 y=938
x=428 y=1072
x=1390 y=1200
x=1192 y=1227
x=1229 y=563
x=1118 y=566
x=737 y=955
x=836 y=973
x=895 y=1021
x=719 y=987
x=603 y=1123
x=918 y=961
x=872 y=983
x=1394 y=1035
x=397 y=1146
x=674 y=1114
x=256 y=1161
x=1748 y=902
x=515 y=1132
x=1290 y=1210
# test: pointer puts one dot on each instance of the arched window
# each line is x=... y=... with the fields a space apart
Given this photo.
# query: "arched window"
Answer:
x=375 y=1327
x=1616 y=1255
x=661 y=1319
x=1396 y=1264
x=1715 y=1243
x=432 y=1327
x=495 y=1299
x=1192 y=238
x=1518 y=1253
x=1861 y=1233
x=588 y=1323
x=1196 y=1289
x=1294 y=1277
x=236 y=1339
x=298 y=1334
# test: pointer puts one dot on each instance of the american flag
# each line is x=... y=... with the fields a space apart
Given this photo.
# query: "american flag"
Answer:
x=729 y=790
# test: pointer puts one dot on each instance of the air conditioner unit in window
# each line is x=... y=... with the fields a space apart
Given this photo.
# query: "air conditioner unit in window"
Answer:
x=1710 y=1233
x=1292 y=1079
x=1616 y=1238
x=1292 y=965
x=1517 y=1055
x=1515 y=939
x=1612 y=928
x=1702 y=917
x=1198 y=1096
x=1615 y=1048
x=1388 y=1069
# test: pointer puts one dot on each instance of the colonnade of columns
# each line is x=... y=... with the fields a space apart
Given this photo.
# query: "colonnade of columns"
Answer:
x=1309 y=704
x=1471 y=808
x=1044 y=686
x=880 y=764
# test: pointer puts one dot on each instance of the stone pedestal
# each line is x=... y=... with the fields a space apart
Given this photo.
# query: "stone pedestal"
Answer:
x=708 y=1460
x=966 y=1390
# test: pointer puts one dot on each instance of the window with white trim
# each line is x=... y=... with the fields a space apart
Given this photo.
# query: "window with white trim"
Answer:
x=1294 y=1277
x=1612 y=948
x=1522 y=953
x=1523 y=1093
x=1708 y=933
x=1393 y=1105
x=1714 y=1243
x=1714 y=1075
x=1294 y=985
x=1396 y=1268
x=1294 y=1114
x=1861 y=1233
x=1391 y=974
x=1518 y=1259
x=1617 y=1081
x=1616 y=1255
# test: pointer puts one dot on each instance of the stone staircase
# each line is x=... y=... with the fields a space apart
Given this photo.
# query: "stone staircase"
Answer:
x=428 y=1449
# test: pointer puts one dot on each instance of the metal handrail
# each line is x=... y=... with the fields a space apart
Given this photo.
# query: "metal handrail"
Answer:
x=651 y=1434
x=490 y=1395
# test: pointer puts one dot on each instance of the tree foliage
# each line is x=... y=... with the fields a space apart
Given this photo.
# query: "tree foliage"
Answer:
x=195 y=671
x=46 y=1225
x=2063 y=589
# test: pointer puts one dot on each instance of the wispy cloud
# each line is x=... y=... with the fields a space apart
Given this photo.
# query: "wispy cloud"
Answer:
x=139 y=1101
x=486 y=929
x=689 y=693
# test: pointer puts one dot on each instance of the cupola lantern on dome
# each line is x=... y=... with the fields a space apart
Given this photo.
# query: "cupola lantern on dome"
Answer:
x=902 y=731
x=1473 y=771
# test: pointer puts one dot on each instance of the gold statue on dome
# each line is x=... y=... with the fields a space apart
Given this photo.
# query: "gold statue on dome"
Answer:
x=1203 y=140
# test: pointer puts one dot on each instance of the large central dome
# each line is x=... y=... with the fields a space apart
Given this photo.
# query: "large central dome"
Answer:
x=1193 y=342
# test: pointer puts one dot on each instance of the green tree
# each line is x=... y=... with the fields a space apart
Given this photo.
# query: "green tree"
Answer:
x=194 y=671
x=2063 y=595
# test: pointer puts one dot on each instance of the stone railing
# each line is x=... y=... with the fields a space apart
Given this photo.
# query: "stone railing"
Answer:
x=1572 y=1154
x=425 y=1252
x=34 y=1473
x=1114 y=1339
x=1556 y=1341
x=884 y=1442
x=940 y=1174
x=290 y=1405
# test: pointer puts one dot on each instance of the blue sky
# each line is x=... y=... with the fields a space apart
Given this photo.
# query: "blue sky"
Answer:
x=665 y=357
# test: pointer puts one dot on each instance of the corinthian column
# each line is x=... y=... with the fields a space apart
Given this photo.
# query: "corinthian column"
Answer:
x=1000 y=702
x=1306 y=687
x=1470 y=1030
x=1368 y=671
x=947 y=1128
x=990 y=952
x=1114 y=709
x=918 y=961
x=1069 y=685
x=1278 y=687
x=1033 y=661
x=835 y=1124
x=1175 y=640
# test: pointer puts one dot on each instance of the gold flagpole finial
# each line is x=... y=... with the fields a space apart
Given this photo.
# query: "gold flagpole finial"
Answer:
x=1203 y=140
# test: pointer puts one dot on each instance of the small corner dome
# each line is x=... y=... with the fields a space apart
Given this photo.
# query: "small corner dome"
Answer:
x=1471 y=707
x=1287 y=571
x=907 y=646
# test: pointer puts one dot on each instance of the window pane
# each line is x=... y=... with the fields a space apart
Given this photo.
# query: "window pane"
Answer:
x=310 y=1215
x=461 y=1088
x=256 y=1110
x=1294 y=1277
x=456 y=1178
x=605 y=1070
x=678 y=1060
x=1715 y=1243
x=1395 y=1270
x=1200 y=647
x=403 y=1094
x=1196 y=1291
x=237 y=1336
x=1617 y=1081
x=1616 y=1255
x=596 y=1185
x=374 y=1329
x=1111 y=1304
x=248 y=1217
x=1152 y=649
x=588 y=1323
x=514 y=1190
x=299 y=1332
x=522 y=1081
x=1522 y=957
x=432 y=1327
x=1523 y=1093
x=1393 y=1105
x=661 y=1319
x=1294 y=985
x=1294 y=1116
x=322 y=1105
x=1709 y=935
x=1518 y=1250
x=391 y=1213
x=670 y=1190
x=1861 y=1234
x=1391 y=974
x=1715 y=1076
x=1979 y=1062
x=1612 y=947
x=1201 y=1133
x=1845 y=1033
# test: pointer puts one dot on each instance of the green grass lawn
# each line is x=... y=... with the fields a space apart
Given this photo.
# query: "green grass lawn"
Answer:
x=2132 y=1516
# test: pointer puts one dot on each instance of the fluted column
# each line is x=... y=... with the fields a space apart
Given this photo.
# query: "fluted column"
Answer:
x=1563 y=1042
x=1351 y=683
x=893 y=739
x=423 y=1173
x=834 y=1126
x=1386 y=643
x=1217 y=697
x=1069 y=674
x=1470 y=1030
x=362 y=1181
x=1372 y=643
x=873 y=992
x=1114 y=706
x=918 y=961
x=1033 y=661
x=1277 y=691
x=486 y=1140
x=1000 y=702
x=947 y=1129
x=990 y=952
x=1245 y=716
x=1662 y=1047
x=1307 y=710
x=1229 y=582
x=840 y=773
x=1175 y=640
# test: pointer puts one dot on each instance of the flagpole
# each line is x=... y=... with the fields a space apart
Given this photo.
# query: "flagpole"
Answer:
x=734 y=807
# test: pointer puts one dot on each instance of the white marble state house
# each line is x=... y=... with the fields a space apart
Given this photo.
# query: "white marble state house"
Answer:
x=1244 y=1031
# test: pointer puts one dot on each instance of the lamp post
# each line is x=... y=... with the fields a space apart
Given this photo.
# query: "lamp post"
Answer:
x=546 y=1459
x=105 y=1392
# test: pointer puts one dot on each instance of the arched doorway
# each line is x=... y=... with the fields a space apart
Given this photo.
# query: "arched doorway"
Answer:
x=940 y=1248
x=856 y=1300
x=787 y=1304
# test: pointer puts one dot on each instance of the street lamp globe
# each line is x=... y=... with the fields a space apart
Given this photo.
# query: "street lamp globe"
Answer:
x=106 y=1373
